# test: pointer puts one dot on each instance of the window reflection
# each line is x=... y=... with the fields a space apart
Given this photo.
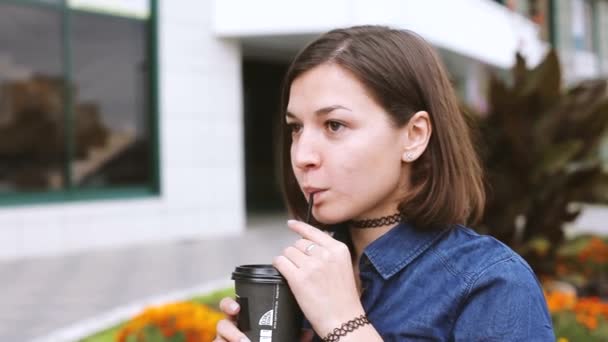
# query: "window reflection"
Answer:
x=104 y=140
x=110 y=70
x=32 y=149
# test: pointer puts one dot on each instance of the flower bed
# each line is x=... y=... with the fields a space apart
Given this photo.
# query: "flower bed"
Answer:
x=578 y=319
x=180 y=321
x=184 y=321
x=580 y=313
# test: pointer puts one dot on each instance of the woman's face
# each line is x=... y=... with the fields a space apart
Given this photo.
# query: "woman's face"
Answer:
x=344 y=144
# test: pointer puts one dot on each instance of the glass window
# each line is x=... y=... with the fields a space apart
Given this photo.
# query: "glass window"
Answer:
x=32 y=130
x=582 y=25
x=111 y=78
x=52 y=2
x=75 y=96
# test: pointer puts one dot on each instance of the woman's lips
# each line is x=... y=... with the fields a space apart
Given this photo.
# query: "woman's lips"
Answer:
x=308 y=190
x=317 y=193
x=318 y=196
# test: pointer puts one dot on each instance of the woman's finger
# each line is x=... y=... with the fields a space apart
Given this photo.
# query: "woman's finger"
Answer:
x=311 y=233
x=229 y=306
x=285 y=266
x=304 y=246
x=228 y=331
x=296 y=256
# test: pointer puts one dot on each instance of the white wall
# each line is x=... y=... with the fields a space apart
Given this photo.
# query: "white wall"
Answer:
x=201 y=141
x=480 y=29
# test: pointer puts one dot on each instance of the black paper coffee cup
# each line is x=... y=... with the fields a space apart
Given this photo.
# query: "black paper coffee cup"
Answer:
x=269 y=311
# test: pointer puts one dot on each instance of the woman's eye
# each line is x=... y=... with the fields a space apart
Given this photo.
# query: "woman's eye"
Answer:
x=293 y=128
x=334 y=126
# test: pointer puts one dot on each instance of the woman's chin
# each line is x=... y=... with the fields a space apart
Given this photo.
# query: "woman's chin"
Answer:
x=328 y=217
x=328 y=222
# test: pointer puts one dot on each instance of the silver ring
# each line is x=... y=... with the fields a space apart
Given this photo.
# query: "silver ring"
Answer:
x=310 y=247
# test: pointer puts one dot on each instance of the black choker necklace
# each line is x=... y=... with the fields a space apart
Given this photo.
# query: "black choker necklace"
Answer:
x=377 y=222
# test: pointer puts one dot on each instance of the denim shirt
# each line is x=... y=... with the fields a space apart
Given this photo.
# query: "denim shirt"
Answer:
x=449 y=285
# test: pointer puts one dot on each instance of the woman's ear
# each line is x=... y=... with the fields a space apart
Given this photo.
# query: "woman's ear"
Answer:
x=417 y=134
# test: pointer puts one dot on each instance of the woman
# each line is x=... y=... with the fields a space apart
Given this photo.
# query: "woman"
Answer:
x=373 y=132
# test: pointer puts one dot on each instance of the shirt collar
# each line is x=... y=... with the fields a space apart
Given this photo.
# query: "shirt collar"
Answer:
x=398 y=247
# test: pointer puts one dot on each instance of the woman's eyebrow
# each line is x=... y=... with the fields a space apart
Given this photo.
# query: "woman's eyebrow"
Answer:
x=320 y=111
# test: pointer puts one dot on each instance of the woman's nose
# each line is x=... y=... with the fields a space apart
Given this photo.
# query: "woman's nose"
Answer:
x=305 y=152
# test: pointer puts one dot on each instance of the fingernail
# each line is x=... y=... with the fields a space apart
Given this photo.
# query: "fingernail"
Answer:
x=291 y=221
x=244 y=339
x=234 y=306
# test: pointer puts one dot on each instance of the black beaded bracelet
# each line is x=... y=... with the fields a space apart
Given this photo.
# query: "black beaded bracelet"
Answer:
x=345 y=328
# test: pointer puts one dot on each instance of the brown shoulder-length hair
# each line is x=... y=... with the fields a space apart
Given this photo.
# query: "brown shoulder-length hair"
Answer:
x=403 y=73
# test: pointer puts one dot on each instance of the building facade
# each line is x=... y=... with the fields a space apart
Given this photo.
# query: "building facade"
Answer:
x=137 y=121
x=578 y=29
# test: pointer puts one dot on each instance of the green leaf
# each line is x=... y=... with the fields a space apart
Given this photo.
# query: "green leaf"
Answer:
x=545 y=79
x=519 y=70
x=152 y=334
x=179 y=337
x=556 y=158
x=541 y=152
x=565 y=325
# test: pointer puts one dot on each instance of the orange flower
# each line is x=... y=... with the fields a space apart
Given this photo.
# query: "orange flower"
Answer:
x=560 y=301
x=587 y=310
x=596 y=251
x=588 y=321
x=195 y=321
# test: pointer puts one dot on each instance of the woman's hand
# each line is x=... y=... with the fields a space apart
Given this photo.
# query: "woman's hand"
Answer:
x=226 y=328
x=320 y=277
